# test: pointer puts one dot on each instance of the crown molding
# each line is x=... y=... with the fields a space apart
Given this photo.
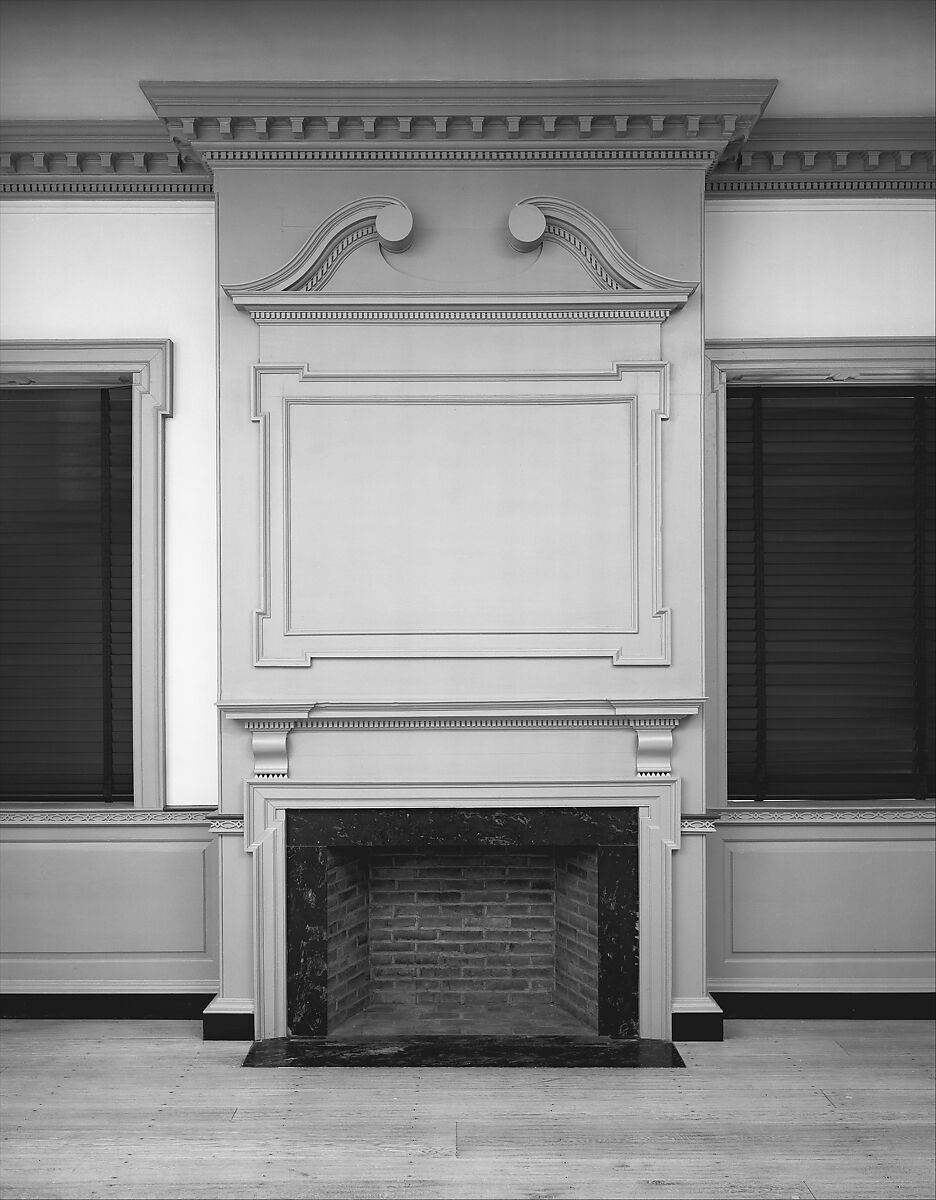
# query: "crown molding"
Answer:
x=280 y=122
x=811 y=157
x=96 y=158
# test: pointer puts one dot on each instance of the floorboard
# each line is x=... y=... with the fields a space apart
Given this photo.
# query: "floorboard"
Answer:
x=815 y=1110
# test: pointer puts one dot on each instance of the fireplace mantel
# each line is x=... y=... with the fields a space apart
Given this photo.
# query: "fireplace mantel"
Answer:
x=658 y=808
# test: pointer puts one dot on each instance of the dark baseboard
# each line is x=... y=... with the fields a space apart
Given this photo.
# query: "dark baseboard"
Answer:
x=817 y=1006
x=698 y=1027
x=104 y=1006
x=227 y=1027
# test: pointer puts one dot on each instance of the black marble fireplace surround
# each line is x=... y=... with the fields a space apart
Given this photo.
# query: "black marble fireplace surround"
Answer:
x=313 y=836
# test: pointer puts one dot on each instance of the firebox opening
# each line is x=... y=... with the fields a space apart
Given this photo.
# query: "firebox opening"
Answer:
x=493 y=941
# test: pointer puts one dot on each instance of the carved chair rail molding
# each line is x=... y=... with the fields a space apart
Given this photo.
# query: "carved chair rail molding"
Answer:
x=653 y=721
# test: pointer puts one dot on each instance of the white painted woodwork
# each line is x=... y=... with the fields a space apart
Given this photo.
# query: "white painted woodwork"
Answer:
x=812 y=906
x=108 y=908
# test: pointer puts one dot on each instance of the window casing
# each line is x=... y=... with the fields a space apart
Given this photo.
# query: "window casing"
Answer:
x=829 y=593
x=144 y=368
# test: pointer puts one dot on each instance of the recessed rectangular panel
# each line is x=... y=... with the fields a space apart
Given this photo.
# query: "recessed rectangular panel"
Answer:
x=838 y=897
x=433 y=517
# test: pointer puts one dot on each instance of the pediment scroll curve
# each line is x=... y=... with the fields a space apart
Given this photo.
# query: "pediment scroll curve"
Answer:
x=382 y=219
x=550 y=218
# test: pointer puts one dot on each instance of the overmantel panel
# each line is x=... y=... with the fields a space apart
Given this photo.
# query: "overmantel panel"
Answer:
x=476 y=517
x=540 y=395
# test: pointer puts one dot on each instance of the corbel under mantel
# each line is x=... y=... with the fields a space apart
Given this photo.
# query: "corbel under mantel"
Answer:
x=653 y=721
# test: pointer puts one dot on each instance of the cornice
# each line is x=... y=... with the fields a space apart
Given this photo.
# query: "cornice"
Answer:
x=206 y=115
x=824 y=156
x=96 y=158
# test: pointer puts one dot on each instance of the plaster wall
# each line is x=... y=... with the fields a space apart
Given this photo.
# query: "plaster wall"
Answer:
x=110 y=270
x=823 y=268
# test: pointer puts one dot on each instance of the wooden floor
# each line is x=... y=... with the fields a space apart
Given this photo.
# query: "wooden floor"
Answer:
x=145 y=1109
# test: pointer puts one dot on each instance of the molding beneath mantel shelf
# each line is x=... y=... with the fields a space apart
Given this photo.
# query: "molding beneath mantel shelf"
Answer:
x=653 y=721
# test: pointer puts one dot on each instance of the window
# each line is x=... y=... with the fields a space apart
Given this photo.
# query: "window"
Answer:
x=830 y=589
x=65 y=594
x=83 y=687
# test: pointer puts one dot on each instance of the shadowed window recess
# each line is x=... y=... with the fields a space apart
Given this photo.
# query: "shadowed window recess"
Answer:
x=830 y=593
x=66 y=732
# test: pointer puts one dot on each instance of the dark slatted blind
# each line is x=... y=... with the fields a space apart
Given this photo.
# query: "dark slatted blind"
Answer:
x=830 y=593
x=65 y=595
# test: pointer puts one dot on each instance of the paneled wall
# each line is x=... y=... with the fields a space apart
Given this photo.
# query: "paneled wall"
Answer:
x=109 y=907
x=819 y=905
x=841 y=900
x=128 y=903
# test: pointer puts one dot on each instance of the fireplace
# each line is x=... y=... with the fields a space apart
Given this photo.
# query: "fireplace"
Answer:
x=492 y=921
x=379 y=839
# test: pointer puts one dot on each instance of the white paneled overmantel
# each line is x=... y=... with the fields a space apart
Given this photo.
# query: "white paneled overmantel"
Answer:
x=342 y=442
x=461 y=462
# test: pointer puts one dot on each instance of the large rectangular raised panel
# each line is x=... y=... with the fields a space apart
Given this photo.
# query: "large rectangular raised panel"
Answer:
x=461 y=517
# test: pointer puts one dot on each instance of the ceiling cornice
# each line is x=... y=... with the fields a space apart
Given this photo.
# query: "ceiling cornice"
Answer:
x=96 y=158
x=802 y=158
x=831 y=156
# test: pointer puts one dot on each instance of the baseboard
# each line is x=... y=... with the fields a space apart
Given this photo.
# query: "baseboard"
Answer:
x=228 y=1020
x=697 y=1019
x=814 y=1006
x=104 y=1006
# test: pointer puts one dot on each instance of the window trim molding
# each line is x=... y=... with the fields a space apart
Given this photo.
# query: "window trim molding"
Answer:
x=773 y=362
x=146 y=366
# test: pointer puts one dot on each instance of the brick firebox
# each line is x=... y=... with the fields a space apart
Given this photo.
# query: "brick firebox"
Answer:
x=472 y=928
x=503 y=906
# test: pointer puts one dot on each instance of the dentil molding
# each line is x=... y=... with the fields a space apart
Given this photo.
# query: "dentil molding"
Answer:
x=834 y=157
x=79 y=159
x=654 y=722
x=236 y=123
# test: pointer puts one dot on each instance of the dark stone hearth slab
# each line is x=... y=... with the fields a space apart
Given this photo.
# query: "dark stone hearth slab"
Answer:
x=474 y=1051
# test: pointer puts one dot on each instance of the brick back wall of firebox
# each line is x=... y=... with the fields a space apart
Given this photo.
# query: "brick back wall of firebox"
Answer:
x=348 y=967
x=462 y=926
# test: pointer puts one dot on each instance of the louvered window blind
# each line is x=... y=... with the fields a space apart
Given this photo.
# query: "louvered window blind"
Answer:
x=830 y=593
x=66 y=730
